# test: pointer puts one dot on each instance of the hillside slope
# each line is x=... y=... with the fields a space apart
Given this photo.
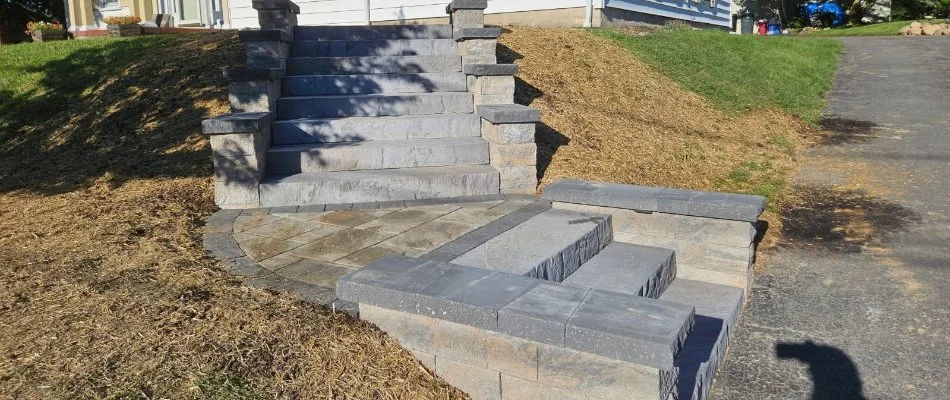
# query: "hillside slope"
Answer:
x=608 y=116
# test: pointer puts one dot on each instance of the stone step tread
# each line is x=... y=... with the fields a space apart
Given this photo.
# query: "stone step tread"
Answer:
x=373 y=64
x=370 y=105
x=633 y=329
x=362 y=32
x=549 y=246
x=378 y=185
x=717 y=312
x=627 y=268
x=363 y=48
x=348 y=129
x=306 y=85
x=381 y=154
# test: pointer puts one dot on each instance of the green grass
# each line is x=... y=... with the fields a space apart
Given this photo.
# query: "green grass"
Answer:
x=738 y=73
x=224 y=386
x=891 y=28
x=755 y=177
x=60 y=71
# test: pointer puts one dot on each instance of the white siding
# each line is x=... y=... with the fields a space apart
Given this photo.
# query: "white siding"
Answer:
x=688 y=10
x=351 y=12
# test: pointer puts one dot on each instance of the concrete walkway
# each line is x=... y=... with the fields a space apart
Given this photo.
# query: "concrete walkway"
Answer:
x=856 y=304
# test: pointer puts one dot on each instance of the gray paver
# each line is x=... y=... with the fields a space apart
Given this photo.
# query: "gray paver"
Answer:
x=626 y=268
x=541 y=314
x=314 y=273
x=549 y=246
x=508 y=114
x=629 y=328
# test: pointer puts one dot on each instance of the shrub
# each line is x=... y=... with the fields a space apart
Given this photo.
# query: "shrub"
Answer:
x=43 y=27
x=130 y=20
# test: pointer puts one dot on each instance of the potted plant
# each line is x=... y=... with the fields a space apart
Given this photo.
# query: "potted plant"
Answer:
x=124 y=26
x=46 y=31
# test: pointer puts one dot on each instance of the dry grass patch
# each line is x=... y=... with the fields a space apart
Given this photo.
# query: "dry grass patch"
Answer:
x=105 y=288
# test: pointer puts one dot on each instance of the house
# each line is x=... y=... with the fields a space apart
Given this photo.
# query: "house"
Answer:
x=706 y=13
x=86 y=16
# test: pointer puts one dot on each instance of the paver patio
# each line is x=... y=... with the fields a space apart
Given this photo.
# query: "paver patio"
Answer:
x=316 y=248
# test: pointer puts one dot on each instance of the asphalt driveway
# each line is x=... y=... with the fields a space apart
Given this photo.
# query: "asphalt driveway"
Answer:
x=856 y=303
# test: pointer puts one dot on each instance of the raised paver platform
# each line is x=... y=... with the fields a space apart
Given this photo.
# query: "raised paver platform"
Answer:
x=627 y=268
x=550 y=246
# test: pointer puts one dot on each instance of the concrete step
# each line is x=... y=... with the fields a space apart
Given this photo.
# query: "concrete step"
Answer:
x=362 y=32
x=383 y=154
x=717 y=311
x=314 y=85
x=352 y=129
x=365 y=48
x=549 y=246
x=373 y=65
x=372 y=105
x=378 y=185
x=627 y=268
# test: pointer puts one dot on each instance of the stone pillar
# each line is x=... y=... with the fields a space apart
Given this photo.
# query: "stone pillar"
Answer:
x=266 y=49
x=239 y=145
x=509 y=130
x=276 y=14
x=253 y=90
x=466 y=14
x=478 y=45
x=491 y=83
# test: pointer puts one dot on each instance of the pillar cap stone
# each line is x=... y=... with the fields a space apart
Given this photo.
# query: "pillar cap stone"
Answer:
x=508 y=114
x=276 y=5
x=466 y=5
x=224 y=124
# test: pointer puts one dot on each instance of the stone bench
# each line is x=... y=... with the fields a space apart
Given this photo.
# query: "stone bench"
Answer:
x=712 y=233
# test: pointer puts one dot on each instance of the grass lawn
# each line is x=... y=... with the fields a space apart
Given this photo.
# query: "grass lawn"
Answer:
x=890 y=28
x=106 y=291
x=738 y=73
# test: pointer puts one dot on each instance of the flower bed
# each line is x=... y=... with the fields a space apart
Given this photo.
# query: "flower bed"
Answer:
x=46 y=31
x=123 y=26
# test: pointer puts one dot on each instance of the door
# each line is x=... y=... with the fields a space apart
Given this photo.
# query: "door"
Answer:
x=189 y=12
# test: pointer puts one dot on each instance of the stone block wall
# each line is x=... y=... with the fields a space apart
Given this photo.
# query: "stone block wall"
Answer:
x=707 y=249
x=491 y=365
x=713 y=234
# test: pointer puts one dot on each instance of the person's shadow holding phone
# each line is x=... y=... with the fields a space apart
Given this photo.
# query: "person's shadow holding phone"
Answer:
x=833 y=374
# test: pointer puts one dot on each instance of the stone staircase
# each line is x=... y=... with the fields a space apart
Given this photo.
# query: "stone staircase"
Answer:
x=609 y=292
x=564 y=305
x=357 y=114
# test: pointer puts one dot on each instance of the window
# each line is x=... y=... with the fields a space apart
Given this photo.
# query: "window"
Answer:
x=108 y=4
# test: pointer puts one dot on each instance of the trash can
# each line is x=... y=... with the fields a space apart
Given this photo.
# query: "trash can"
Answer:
x=747 y=25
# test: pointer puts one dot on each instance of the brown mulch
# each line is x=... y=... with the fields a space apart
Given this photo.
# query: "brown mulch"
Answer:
x=107 y=292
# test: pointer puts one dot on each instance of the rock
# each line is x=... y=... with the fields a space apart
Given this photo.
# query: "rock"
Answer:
x=915 y=25
x=930 y=29
x=915 y=31
x=905 y=30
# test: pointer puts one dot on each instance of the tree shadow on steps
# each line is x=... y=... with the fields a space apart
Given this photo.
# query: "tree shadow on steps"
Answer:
x=834 y=375
x=126 y=109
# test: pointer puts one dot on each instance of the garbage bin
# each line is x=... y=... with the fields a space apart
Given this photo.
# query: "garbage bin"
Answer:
x=747 y=25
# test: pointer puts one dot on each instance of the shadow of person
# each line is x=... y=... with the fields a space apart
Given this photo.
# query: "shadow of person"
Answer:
x=833 y=374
